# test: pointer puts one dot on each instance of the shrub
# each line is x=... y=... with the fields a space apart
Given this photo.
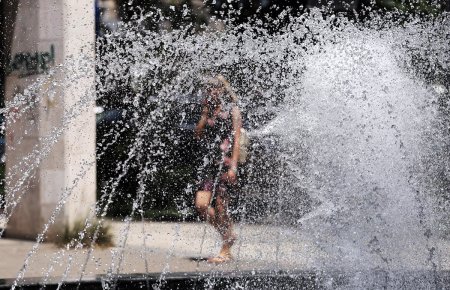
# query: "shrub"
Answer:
x=82 y=234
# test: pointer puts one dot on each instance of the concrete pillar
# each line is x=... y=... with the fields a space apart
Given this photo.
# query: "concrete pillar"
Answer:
x=48 y=33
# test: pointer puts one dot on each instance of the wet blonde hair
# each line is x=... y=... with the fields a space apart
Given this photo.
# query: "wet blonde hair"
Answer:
x=219 y=81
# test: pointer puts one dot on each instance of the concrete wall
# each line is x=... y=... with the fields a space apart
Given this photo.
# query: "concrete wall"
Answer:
x=59 y=32
x=7 y=19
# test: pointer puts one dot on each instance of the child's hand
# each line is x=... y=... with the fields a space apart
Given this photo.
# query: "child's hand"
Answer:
x=230 y=176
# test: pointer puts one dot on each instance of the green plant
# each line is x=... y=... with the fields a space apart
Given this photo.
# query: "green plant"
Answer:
x=81 y=234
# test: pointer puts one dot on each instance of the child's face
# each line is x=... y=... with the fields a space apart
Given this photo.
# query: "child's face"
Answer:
x=215 y=93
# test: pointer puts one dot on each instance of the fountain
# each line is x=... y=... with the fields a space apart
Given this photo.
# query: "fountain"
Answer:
x=346 y=184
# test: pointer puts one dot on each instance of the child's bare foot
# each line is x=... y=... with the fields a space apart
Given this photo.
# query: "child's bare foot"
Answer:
x=229 y=241
x=221 y=258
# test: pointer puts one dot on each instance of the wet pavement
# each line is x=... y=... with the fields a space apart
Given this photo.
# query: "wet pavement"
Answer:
x=161 y=248
x=166 y=248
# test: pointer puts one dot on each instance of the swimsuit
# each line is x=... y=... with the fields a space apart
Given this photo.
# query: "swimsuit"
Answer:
x=216 y=144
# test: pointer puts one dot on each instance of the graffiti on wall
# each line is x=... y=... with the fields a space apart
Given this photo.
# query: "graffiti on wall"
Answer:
x=32 y=63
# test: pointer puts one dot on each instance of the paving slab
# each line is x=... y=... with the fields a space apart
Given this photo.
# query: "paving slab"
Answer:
x=152 y=247
x=164 y=248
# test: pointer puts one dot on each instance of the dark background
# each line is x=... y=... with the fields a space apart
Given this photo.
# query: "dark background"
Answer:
x=168 y=186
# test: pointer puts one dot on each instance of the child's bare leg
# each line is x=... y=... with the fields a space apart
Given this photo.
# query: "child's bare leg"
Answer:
x=202 y=204
x=225 y=225
x=220 y=219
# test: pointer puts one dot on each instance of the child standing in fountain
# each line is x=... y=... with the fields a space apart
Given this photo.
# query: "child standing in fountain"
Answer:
x=218 y=131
